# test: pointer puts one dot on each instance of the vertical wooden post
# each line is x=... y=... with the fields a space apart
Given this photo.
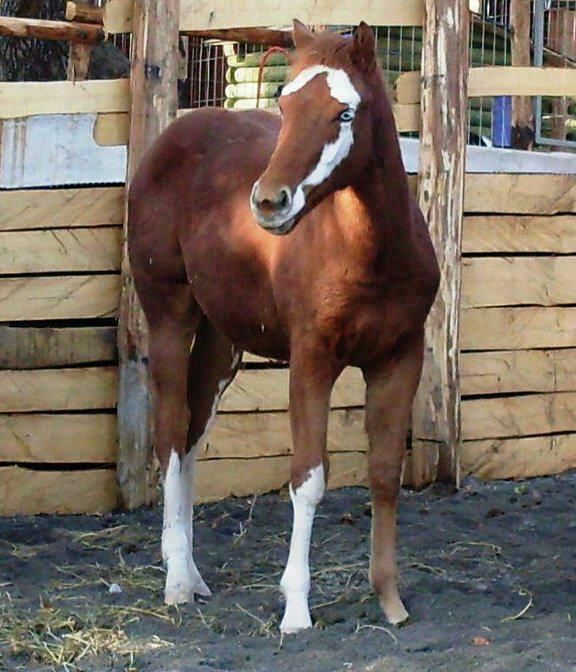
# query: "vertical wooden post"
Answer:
x=444 y=106
x=153 y=87
x=522 y=113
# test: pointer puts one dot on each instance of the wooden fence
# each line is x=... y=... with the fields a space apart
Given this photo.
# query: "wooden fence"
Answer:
x=60 y=285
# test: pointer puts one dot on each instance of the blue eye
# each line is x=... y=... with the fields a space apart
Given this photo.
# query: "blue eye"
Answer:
x=346 y=115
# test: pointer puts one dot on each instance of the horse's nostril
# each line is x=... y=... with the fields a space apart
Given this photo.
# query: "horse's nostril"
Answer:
x=284 y=198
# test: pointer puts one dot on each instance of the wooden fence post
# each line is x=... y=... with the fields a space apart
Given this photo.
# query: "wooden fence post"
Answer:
x=522 y=113
x=444 y=105
x=154 y=105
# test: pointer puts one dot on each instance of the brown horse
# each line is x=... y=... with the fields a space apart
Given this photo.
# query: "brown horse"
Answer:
x=296 y=238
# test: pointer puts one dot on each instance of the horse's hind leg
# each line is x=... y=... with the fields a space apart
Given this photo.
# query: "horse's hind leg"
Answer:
x=212 y=365
x=390 y=391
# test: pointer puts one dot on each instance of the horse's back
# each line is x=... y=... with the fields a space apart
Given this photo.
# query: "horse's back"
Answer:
x=203 y=144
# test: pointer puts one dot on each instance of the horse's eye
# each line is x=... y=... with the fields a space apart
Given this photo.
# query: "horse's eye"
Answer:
x=346 y=115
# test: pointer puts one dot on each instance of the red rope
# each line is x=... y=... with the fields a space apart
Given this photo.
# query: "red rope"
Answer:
x=270 y=51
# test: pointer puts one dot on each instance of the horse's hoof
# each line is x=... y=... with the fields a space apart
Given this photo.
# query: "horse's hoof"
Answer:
x=178 y=594
x=396 y=614
x=295 y=622
x=182 y=592
x=292 y=629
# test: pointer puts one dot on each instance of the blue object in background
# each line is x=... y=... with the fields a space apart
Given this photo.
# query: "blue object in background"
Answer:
x=502 y=121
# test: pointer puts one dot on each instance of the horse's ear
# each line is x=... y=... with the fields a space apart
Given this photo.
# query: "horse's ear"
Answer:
x=301 y=35
x=364 y=47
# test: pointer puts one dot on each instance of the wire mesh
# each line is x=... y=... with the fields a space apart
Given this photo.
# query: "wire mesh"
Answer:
x=555 y=43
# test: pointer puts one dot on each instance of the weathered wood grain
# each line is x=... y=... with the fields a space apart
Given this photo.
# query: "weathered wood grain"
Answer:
x=62 y=438
x=518 y=328
x=153 y=106
x=444 y=78
x=58 y=389
x=217 y=479
x=61 y=208
x=520 y=194
x=25 y=99
x=519 y=233
x=520 y=51
x=204 y=14
x=45 y=347
x=499 y=80
x=59 y=297
x=519 y=458
x=508 y=371
x=96 y=387
x=510 y=281
x=518 y=416
x=251 y=436
x=60 y=250
x=267 y=390
x=74 y=33
x=28 y=492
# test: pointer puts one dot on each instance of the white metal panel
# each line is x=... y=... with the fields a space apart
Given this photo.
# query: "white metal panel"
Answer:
x=56 y=150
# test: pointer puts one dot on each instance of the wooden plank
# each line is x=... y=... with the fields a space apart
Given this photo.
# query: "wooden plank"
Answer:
x=25 y=99
x=112 y=129
x=58 y=389
x=500 y=80
x=519 y=233
x=58 y=438
x=520 y=194
x=407 y=117
x=519 y=458
x=518 y=416
x=217 y=479
x=45 y=347
x=522 y=81
x=267 y=390
x=95 y=387
x=59 y=208
x=509 y=281
x=255 y=435
x=444 y=77
x=508 y=371
x=155 y=62
x=60 y=250
x=214 y=14
x=59 y=297
x=518 y=328
x=29 y=492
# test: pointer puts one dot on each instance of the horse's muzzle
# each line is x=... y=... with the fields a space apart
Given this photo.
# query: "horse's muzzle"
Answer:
x=273 y=208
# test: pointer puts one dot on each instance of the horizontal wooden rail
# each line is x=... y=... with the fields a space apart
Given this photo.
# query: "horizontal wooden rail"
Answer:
x=217 y=14
x=111 y=129
x=25 y=99
x=500 y=81
x=75 y=33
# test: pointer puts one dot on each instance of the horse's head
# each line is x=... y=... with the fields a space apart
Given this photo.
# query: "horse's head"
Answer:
x=325 y=141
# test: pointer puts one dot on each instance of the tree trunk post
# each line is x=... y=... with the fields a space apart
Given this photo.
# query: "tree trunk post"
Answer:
x=154 y=78
x=522 y=113
x=444 y=107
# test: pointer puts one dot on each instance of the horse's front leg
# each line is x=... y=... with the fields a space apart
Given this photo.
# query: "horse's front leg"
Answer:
x=391 y=386
x=311 y=382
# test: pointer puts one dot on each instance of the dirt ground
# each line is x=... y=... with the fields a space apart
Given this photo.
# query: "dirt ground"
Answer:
x=488 y=573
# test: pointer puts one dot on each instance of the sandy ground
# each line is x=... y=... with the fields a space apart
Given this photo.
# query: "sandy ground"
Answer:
x=488 y=574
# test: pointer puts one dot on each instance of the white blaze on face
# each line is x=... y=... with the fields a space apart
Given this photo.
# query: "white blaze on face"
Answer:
x=342 y=90
x=295 y=581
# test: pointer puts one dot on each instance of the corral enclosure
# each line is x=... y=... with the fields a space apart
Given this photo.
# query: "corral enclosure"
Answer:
x=60 y=288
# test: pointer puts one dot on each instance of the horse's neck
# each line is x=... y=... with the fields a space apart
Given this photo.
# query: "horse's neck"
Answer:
x=384 y=204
